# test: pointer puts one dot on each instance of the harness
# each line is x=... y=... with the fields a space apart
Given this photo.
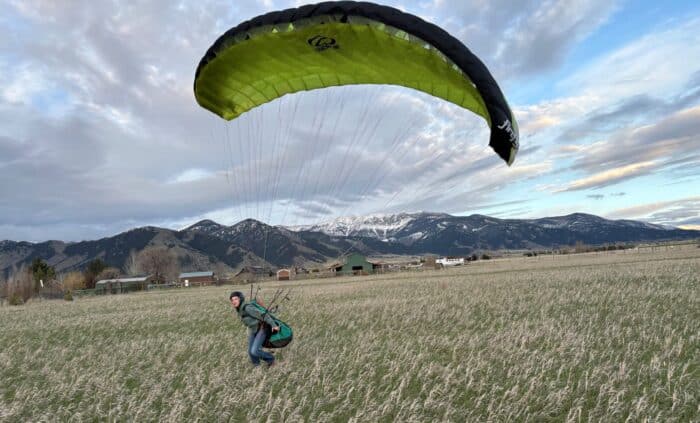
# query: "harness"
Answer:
x=244 y=314
x=272 y=340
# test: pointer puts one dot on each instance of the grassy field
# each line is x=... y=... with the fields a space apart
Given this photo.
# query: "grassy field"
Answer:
x=590 y=337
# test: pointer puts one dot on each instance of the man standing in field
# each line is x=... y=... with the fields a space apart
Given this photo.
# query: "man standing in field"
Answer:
x=255 y=321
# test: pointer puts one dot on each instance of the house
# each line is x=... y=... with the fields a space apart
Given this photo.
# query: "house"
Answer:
x=284 y=275
x=122 y=285
x=450 y=261
x=197 y=278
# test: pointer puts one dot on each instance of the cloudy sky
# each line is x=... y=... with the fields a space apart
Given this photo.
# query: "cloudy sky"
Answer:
x=100 y=132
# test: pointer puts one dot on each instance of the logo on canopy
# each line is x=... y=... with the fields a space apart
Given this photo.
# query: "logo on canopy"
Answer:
x=321 y=43
x=512 y=134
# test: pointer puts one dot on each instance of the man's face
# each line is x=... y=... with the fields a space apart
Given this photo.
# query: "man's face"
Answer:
x=235 y=301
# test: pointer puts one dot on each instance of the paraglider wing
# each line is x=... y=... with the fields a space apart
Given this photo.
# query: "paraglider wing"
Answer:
x=342 y=43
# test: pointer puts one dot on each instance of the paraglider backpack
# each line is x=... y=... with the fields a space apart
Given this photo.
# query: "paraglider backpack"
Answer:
x=278 y=339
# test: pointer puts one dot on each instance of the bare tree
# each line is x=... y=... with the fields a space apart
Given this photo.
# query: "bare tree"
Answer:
x=159 y=262
x=131 y=265
x=108 y=273
x=20 y=285
x=3 y=291
x=221 y=273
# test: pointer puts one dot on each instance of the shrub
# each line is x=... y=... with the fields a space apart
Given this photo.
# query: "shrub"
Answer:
x=68 y=296
x=73 y=281
x=16 y=299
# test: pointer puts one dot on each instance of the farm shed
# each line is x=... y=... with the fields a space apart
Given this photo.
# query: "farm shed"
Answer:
x=121 y=285
x=356 y=264
x=197 y=278
x=284 y=275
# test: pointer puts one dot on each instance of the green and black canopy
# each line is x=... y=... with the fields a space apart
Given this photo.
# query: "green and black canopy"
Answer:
x=342 y=43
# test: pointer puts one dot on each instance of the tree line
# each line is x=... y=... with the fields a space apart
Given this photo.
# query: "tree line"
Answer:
x=39 y=278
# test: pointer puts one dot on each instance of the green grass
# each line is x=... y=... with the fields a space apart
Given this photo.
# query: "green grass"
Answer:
x=590 y=338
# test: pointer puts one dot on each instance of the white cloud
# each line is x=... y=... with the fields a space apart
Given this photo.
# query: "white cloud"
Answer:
x=608 y=177
x=632 y=111
x=682 y=212
x=527 y=38
x=21 y=84
x=658 y=64
x=648 y=208
x=553 y=114
x=665 y=140
x=192 y=175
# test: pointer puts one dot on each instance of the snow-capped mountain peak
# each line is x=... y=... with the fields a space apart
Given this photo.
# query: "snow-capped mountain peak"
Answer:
x=381 y=226
x=206 y=226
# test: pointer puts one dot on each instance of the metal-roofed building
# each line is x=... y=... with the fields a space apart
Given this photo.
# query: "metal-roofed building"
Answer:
x=197 y=278
x=356 y=264
x=122 y=285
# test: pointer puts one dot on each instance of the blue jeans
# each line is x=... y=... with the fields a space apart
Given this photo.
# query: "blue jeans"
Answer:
x=255 y=351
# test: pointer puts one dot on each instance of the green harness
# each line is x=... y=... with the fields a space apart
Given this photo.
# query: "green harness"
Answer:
x=277 y=339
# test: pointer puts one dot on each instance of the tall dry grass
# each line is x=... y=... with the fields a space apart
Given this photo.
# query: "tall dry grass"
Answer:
x=594 y=338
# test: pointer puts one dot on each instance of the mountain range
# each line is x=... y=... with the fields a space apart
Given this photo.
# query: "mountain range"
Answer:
x=206 y=244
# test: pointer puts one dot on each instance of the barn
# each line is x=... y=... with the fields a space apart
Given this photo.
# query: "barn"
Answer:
x=197 y=278
x=356 y=264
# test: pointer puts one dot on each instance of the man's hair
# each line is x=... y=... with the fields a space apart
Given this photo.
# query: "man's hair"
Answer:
x=238 y=294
